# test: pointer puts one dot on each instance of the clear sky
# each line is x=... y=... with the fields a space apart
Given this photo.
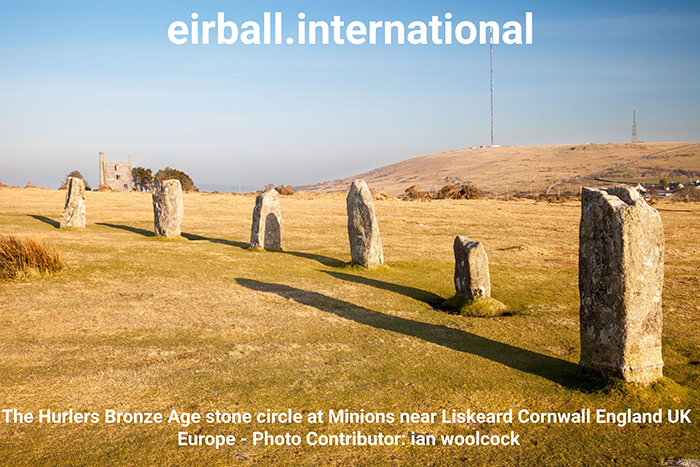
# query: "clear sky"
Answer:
x=79 y=77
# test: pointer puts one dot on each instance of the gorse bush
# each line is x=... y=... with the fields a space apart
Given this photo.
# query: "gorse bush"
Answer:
x=24 y=256
x=143 y=178
x=75 y=174
x=459 y=192
x=412 y=194
x=174 y=174
x=446 y=192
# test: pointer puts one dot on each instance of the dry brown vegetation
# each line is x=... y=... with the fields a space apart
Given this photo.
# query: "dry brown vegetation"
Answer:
x=21 y=256
x=459 y=192
x=284 y=190
x=687 y=193
x=138 y=323
x=413 y=194
x=529 y=169
x=446 y=192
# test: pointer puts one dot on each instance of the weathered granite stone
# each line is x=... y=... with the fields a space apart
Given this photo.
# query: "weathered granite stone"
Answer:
x=621 y=274
x=74 y=211
x=681 y=462
x=168 y=208
x=363 y=229
x=267 y=228
x=472 y=280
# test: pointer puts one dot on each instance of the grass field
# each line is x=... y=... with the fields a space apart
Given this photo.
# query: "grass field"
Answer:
x=135 y=323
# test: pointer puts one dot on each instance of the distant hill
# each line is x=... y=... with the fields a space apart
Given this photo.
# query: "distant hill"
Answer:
x=537 y=168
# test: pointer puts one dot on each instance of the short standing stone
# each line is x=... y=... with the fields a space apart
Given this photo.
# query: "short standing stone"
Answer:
x=168 y=208
x=363 y=230
x=621 y=261
x=74 y=211
x=472 y=280
x=267 y=228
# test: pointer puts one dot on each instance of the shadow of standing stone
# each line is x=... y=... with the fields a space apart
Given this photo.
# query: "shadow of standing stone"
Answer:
x=267 y=228
x=363 y=229
x=74 y=210
x=621 y=261
x=168 y=208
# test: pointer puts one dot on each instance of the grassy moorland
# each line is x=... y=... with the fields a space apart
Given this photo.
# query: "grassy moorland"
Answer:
x=135 y=323
x=532 y=169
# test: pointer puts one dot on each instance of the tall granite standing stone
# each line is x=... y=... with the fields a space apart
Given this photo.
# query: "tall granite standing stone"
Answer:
x=74 y=211
x=472 y=280
x=168 y=208
x=621 y=274
x=267 y=228
x=363 y=230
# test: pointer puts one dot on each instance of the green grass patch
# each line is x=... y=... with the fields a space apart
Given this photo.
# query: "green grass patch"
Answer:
x=480 y=308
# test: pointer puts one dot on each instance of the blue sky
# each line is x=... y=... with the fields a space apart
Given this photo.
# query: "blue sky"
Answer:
x=81 y=77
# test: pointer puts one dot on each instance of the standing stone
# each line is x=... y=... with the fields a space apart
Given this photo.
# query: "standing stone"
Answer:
x=267 y=228
x=472 y=280
x=168 y=208
x=363 y=230
x=74 y=211
x=621 y=274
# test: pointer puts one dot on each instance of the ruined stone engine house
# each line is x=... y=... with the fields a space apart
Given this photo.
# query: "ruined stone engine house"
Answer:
x=116 y=175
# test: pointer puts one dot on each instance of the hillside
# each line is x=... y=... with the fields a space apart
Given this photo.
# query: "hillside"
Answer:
x=531 y=168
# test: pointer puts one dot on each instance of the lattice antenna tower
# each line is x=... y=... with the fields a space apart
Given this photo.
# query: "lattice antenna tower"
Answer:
x=491 y=68
x=634 y=126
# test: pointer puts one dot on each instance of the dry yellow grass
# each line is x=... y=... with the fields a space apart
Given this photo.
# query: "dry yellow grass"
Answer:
x=138 y=323
x=25 y=256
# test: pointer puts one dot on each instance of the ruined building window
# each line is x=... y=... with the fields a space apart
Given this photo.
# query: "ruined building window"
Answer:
x=116 y=167
x=118 y=176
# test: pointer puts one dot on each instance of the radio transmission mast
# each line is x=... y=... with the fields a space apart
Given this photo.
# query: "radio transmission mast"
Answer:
x=634 y=126
x=491 y=68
